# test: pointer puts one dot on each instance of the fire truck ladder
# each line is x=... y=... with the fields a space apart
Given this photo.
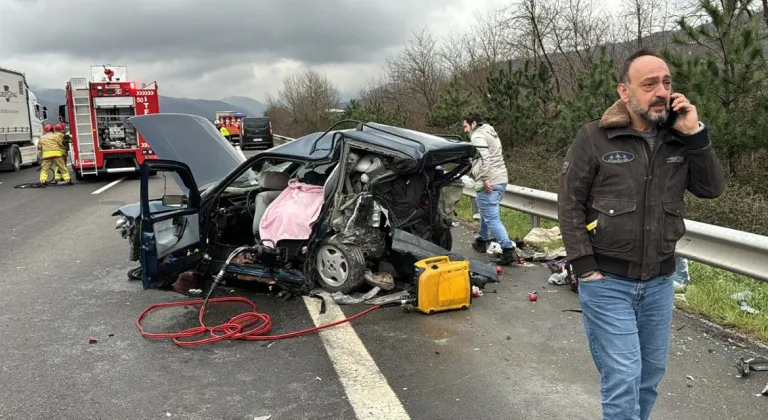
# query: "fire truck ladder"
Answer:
x=84 y=127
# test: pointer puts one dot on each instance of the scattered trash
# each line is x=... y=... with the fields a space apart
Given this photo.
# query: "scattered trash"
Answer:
x=558 y=279
x=746 y=308
x=317 y=378
x=388 y=298
x=765 y=390
x=196 y=292
x=494 y=248
x=111 y=335
x=476 y=292
x=263 y=417
x=168 y=414
x=681 y=277
x=541 y=236
x=509 y=337
x=342 y=299
x=689 y=377
x=751 y=365
x=742 y=296
x=384 y=281
x=533 y=297
x=92 y=340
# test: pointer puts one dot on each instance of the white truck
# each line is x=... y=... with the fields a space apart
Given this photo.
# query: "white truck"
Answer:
x=21 y=122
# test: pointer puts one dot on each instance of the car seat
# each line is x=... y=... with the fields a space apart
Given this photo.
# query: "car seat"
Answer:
x=272 y=183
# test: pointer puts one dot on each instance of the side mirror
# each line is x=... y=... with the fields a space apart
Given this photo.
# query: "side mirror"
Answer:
x=175 y=200
x=45 y=113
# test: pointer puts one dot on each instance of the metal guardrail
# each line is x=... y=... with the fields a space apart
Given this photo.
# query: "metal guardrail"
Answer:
x=281 y=139
x=728 y=249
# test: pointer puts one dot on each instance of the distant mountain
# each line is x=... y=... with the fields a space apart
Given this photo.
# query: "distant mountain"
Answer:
x=254 y=107
x=52 y=98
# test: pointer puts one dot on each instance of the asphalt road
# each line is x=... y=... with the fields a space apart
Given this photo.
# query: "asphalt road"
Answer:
x=506 y=358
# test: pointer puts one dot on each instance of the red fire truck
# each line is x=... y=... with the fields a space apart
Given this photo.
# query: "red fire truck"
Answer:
x=97 y=112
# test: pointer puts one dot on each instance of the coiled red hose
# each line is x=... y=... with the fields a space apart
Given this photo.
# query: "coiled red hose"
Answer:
x=235 y=328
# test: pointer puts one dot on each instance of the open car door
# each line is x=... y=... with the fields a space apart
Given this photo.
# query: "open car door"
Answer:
x=170 y=234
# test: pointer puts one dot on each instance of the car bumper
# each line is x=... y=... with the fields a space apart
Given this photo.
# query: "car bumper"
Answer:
x=264 y=142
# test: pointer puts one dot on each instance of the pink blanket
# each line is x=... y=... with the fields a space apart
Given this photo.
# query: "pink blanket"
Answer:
x=292 y=213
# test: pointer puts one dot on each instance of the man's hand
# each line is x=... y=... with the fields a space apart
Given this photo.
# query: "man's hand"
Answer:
x=688 y=119
x=488 y=187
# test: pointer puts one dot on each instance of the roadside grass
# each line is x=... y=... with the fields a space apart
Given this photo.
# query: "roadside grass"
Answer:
x=707 y=295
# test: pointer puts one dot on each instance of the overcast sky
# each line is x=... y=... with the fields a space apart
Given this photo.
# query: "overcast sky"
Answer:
x=213 y=49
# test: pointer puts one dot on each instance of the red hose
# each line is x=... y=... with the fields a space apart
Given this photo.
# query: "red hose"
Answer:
x=234 y=329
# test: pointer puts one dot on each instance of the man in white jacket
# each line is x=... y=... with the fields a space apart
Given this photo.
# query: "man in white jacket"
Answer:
x=490 y=174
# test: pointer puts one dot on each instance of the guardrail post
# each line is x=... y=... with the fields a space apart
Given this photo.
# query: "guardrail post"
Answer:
x=535 y=221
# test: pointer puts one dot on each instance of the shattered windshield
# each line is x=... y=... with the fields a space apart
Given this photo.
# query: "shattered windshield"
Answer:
x=250 y=178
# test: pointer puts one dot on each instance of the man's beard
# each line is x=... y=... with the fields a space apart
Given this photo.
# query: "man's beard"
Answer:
x=646 y=113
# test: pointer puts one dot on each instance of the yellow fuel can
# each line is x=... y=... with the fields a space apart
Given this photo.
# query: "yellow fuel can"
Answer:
x=442 y=285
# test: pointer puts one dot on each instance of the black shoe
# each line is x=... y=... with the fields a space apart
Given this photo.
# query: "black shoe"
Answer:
x=508 y=257
x=70 y=182
x=480 y=245
x=43 y=184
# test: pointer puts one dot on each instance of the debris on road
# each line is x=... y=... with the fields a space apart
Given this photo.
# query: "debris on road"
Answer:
x=751 y=365
x=541 y=236
x=92 y=340
x=533 y=297
x=263 y=417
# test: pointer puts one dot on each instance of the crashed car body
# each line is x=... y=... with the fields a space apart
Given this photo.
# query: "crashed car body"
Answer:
x=322 y=209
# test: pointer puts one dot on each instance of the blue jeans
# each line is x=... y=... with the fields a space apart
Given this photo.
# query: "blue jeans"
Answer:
x=628 y=325
x=490 y=222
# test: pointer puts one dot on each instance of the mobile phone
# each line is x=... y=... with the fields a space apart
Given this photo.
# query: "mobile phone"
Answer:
x=672 y=117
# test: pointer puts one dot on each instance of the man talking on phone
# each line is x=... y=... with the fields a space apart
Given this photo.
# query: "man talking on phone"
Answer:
x=621 y=210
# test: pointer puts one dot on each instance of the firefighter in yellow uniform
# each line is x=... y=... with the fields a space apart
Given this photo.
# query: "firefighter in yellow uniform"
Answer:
x=225 y=132
x=53 y=149
x=59 y=128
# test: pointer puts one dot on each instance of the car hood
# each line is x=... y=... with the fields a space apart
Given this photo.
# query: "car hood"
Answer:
x=190 y=139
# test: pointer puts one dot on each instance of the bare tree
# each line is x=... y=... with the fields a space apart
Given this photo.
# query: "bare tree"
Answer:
x=643 y=18
x=309 y=98
x=417 y=73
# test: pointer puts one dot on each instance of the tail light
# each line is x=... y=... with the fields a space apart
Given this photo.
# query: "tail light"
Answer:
x=270 y=128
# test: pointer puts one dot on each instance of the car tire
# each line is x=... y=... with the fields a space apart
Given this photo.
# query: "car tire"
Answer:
x=15 y=158
x=339 y=267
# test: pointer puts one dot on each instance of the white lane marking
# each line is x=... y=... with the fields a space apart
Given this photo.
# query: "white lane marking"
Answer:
x=108 y=186
x=239 y=150
x=368 y=391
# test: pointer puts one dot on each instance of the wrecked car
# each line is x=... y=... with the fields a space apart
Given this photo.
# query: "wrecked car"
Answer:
x=327 y=209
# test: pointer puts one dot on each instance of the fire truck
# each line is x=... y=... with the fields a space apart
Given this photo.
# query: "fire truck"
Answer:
x=232 y=120
x=97 y=112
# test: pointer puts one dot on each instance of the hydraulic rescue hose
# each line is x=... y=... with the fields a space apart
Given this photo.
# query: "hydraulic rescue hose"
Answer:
x=235 y=328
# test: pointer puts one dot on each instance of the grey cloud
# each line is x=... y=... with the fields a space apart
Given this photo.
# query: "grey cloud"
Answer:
x=213 y=33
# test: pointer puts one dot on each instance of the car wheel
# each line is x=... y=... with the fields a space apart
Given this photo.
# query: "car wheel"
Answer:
x=339 y=267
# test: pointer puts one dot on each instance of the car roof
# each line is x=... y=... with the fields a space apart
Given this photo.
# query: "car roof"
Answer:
x=429 y=148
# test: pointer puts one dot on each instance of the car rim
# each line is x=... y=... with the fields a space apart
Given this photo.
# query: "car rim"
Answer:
x=16 y=160
x=332 y=265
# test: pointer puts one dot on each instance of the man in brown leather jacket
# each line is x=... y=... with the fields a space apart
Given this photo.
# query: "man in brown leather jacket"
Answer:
x=621 y=210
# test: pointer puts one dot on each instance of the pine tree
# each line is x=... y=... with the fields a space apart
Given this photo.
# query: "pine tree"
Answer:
x=453 y=105
x=727 y=82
